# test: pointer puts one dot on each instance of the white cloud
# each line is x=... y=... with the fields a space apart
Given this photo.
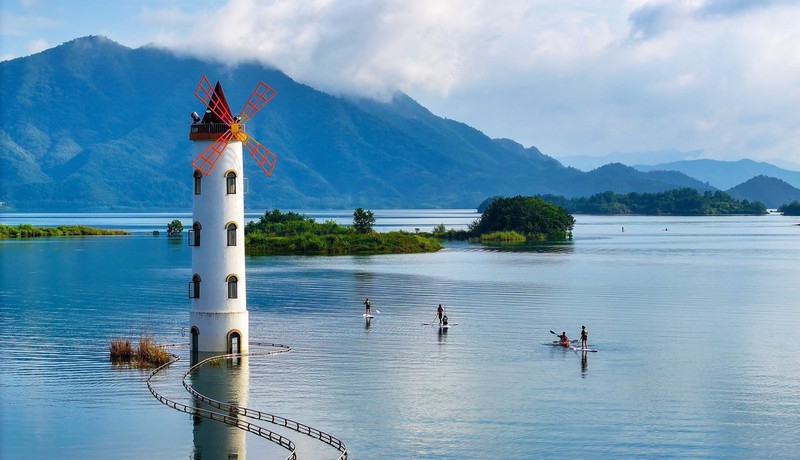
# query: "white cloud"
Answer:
x=586 y=77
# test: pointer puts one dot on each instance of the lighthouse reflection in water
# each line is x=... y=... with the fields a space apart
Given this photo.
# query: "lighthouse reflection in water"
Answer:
x=227 y=381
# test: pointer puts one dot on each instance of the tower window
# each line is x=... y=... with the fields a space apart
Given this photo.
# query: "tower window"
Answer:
x=194 y=234
x=197 y=182
x=233 y=290
x=194 y=287
x=231 y=234
x=230 y=180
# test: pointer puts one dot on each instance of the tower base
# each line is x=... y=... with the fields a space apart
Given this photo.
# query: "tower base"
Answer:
x=220 y=332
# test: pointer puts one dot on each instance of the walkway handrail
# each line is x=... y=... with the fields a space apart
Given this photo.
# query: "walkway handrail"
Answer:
x=224 y=418
x=258 y=415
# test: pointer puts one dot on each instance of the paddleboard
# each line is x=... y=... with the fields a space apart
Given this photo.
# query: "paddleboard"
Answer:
x=591 y=350
x=368 y=316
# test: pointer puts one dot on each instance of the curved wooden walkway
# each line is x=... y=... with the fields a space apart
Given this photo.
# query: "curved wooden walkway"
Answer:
x=231 y=413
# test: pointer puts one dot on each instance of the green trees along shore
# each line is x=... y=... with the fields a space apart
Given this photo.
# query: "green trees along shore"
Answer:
x=791 y=209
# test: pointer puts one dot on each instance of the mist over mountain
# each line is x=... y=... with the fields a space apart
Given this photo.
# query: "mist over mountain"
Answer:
x=92 y=125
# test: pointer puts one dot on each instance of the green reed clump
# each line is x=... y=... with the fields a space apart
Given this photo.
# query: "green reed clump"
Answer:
x=502 y=237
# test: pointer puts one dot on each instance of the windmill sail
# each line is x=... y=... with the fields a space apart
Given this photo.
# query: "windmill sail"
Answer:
x=219 y=125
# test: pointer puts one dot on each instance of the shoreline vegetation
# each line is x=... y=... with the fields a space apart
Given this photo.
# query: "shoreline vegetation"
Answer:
x=287 y=233
x=791 y=209
x=677 y=202
x=505 y=221
x=516 y=220
x=29 y=231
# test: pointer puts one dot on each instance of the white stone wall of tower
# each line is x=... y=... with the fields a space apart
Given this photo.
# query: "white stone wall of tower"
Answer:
x=213 y=313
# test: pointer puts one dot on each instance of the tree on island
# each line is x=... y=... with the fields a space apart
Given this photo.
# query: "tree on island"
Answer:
x=530 y=218
x=363 y=220
x=791 y=209
x=174 y=228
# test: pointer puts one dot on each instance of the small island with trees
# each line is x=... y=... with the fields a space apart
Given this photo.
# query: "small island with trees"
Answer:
x=507 y=220
x=278 y=232
x=516 y=219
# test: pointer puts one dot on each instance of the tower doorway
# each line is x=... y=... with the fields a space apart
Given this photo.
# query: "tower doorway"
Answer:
x=195 y=336
x=234 y=342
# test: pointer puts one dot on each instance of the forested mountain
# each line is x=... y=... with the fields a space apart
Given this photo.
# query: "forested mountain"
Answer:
x=92 y=126
x=771 y=191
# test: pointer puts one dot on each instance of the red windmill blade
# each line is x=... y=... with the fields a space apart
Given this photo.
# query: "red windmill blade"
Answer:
x=219 y=113
x=262 y=155
x=214 y=100
x=261 y=95
x=208 y=158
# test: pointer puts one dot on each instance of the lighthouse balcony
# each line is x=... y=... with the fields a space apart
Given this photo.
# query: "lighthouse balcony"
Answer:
x=204 y=131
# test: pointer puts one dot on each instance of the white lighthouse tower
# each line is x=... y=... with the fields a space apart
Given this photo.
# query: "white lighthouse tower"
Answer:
x=218 y=288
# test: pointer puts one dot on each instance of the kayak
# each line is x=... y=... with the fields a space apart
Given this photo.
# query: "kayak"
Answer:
x=557 y=344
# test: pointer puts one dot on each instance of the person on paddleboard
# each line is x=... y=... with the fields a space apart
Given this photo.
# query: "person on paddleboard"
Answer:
x=563 y=340
x=368 y=306
x=440 y=313
x=444 y=320
x=584 y=337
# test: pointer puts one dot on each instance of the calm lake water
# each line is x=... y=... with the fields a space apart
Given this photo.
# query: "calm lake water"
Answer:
x=695 y=320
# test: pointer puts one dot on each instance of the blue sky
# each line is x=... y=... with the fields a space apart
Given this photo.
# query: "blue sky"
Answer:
x=700 y=78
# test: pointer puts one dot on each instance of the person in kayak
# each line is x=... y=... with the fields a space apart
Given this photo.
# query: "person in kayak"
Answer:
x=440 y=313
x=563 y=340
x=584 y=337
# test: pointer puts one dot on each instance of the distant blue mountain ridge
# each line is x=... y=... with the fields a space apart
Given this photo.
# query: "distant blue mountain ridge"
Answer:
x=92 y=125
x=726 y=174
